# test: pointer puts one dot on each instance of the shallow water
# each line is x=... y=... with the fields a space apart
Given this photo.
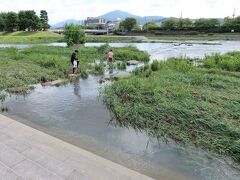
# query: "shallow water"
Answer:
x=163 y=51
x=75 y=114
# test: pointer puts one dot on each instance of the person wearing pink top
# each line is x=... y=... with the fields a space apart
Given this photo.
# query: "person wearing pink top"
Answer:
x=110 y=61
x=110 y=56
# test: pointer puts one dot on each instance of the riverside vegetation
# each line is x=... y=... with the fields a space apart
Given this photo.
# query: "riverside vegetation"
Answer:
x=177 y=100
x=23 y=37
x=39 y=64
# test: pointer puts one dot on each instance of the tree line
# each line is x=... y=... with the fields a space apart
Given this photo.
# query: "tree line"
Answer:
x=26 y=20
x=212 y=25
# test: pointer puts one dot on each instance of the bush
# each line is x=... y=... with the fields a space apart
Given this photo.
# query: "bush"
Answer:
x=74 y=34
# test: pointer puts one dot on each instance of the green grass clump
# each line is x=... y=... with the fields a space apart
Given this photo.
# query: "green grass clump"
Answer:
x=186 y=103
x=155 y=66
x=229 y=61
x=130 y=53
x=121 y=65
x=3 y=96
x=124 y=53
x=144 y=71
x=84 y=74
x=99 y=68
x=4 y=109
x=110 y=39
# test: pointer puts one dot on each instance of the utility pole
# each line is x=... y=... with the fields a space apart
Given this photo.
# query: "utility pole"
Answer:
x=234 y=13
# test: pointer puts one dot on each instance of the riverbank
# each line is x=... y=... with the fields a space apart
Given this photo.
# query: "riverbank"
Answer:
x=21 y=37
x=50 y=37
x=177 y=100
x=35 y=155
x=199 y=37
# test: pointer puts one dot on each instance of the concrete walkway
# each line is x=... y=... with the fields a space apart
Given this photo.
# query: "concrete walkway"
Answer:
x=26 y=153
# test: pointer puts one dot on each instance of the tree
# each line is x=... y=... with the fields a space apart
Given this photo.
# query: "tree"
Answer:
x=185 y=23
x=44 y=20
x=28 y=20
x=206 y=24
x=169 y=24
x=128 y=24
x=74 y=34
x=232 y=24
x=11 y=21
x=150 y=26
x=3 y=17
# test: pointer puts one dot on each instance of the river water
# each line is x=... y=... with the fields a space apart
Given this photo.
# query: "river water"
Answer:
x=75 y=114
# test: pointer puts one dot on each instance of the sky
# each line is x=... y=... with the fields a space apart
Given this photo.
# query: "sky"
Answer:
x=59 y=10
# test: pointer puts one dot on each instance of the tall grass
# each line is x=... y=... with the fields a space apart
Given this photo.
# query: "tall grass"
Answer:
x=182 y=102
x=229 y=61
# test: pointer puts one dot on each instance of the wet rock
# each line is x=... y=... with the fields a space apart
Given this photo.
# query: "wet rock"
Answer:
x=55 y=83
x=91 y=65
x=20 y=90
x=133 y=62
x=114 y=76
x=74 y=75
x=120 y=75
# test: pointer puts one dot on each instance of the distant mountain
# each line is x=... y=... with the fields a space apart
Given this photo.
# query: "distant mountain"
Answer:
x=68 y=21
x=113 y=15
x=123 y=15
x=118 y=14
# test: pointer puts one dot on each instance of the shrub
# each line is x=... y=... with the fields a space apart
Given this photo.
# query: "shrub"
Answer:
x=74 y=34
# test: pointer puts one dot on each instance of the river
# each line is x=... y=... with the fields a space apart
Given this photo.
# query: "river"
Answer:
x=75 y=114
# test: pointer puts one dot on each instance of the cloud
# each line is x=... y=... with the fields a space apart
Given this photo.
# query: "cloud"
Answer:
x=80 y=9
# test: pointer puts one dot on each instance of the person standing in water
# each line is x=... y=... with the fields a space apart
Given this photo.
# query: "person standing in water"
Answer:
x=110 y=60
x=110 y=56
x=74 y=61
x=75 y=66
x=74 y=56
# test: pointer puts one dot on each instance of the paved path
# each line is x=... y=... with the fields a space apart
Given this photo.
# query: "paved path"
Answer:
x=26 y=153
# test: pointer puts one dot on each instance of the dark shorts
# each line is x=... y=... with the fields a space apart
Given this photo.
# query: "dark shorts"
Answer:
x=110 y=59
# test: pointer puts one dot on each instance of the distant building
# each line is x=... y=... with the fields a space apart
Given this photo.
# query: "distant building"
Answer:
x=101 y=23
x=117 y=22
x=95 y=22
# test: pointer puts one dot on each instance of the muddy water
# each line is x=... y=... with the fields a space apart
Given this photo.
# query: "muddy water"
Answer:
x=75 y=114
